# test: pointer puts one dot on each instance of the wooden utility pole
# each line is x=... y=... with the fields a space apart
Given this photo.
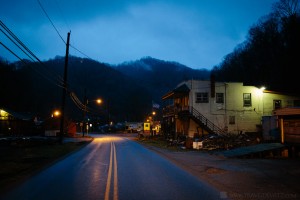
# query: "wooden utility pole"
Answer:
x=64 y=90
x=84 y=112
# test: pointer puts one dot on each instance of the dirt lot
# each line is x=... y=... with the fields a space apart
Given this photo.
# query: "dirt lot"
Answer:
x=251 y=178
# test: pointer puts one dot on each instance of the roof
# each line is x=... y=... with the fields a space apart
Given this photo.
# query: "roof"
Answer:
x=177 y=92
x=242 y=151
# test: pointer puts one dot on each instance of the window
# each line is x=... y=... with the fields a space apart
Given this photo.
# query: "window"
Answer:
x=202 y=97
x=247 y=99
x=219 y=97
x=277 y=104
x=231 y=119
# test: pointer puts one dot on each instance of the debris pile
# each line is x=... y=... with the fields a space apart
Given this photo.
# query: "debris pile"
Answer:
x=229 y=141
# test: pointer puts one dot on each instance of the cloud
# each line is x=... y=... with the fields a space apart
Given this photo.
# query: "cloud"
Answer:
x=154 y=29
x=195 y=33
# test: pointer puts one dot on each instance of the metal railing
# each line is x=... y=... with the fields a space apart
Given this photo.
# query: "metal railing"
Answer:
x=215 y=129
x=181 y=110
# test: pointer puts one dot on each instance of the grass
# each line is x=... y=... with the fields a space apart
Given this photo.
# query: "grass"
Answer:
x=21 y=158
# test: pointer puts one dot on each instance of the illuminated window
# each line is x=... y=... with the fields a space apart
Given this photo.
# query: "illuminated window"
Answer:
x=219 y=97
x=247 y=99
x=201 y=97
x=277 y=104
x=231 y=119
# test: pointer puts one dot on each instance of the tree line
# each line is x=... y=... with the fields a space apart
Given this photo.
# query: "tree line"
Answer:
x=270 y=55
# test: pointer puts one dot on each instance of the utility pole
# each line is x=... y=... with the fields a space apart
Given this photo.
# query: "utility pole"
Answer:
x=64 y=90
x=84 y=112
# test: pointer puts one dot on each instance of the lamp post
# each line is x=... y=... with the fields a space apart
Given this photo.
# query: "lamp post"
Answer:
x=56 y=113
x=153 y=122
x=86 y=102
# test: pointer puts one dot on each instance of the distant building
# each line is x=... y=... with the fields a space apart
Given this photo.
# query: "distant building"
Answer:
x=15 y=124
x=197 y=107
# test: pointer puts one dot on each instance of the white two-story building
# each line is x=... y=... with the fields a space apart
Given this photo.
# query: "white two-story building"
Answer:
x=198 y=107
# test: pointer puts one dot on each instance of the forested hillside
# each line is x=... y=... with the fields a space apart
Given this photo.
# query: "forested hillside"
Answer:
x=159 y=76
x=270 y=55
x=127 y=92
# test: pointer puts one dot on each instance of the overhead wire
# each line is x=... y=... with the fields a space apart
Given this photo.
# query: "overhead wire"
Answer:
x=62 y=14
x=29 y=64
x=57 y=29
x=12 y=52
x=73 y=96
x=13 y=38
x=14 y=41
x=80 y=51
x=26 y=48
x=51 y=21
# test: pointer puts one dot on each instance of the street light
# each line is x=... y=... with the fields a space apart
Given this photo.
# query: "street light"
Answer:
x=56 y=113
x=99 y=101
x=85 y=126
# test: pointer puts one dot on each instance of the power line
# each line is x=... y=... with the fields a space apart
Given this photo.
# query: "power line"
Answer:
x=51 y=21
x=11 y=51
x=62 y=14
x=14 y=42
x=26 y=63
x=80 y=52
x=58 y=31
x=11 y=34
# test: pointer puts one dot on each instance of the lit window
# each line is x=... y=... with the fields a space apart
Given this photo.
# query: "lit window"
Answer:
x=247 y=99
x=202 y=97
x=219 y=97
x=277 y=104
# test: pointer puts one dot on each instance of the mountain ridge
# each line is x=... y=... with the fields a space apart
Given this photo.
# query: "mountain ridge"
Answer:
x=128 y=89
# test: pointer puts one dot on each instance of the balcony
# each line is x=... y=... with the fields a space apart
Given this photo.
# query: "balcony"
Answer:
x=173 y=110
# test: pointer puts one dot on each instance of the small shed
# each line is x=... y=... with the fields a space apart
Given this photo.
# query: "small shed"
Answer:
x=289 y=124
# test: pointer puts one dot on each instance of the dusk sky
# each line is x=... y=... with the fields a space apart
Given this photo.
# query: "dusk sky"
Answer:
x=196 y=33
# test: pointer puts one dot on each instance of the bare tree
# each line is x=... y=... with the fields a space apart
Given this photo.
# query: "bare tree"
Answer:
x=287 y=8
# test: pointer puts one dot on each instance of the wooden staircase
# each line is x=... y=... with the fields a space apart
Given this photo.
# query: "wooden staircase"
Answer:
x=203 y=121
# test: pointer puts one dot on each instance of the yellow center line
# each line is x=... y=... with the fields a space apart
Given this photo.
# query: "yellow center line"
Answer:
x=109 y=175
x=113 y=160
x=115 y=175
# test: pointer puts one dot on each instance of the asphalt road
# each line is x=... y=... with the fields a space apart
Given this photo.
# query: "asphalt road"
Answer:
x=113 y=167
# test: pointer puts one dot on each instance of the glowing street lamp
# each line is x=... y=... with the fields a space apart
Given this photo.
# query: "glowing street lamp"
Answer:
x=99 y=101
x=56 y=113
x=85 y=123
